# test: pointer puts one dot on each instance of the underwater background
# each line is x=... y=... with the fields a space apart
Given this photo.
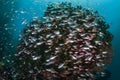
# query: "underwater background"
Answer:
x=15 y=14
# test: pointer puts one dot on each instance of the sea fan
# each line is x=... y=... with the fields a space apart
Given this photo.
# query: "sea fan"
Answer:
x=68 y=43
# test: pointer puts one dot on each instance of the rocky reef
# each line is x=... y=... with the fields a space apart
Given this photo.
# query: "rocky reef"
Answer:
x=67 y=43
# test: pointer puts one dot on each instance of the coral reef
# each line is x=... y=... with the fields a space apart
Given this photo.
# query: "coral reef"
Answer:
x=5 y=72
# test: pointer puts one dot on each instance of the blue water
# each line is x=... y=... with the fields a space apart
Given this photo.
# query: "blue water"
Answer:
x=25 y=10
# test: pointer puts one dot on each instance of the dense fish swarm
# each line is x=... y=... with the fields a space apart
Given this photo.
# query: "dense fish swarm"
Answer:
x=68 y=43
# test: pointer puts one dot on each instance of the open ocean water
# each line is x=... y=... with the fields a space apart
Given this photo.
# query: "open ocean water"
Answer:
x=15 y=14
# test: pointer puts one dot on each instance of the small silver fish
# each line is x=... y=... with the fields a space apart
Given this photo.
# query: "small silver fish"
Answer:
x=90 y=46
x=52 y=36
x=36 y=58
x=49 y=41
x=61 y=65
x=26 y=43
x=86 y=48
x=48 y=25
x=70 y=23
x=82 y=34
x=104 y=52
x=46 y=51
x=57 y=32
x=59 y=17
x=49 y=63
x=31 y=71
x=98 y=56
x=61 y=44
x=82 y=75
x=77 y=13
x=50 y=70
x=71 y=41
x=34 y=32
x=32 y=39
x=39 y=43
x=74 y=58
x=98 y=42
x=47 y=36
x=51 y=58
x=45 y=18
x=89 y=58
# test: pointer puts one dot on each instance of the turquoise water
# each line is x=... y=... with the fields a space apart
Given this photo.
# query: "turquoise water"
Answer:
x=15 y=14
